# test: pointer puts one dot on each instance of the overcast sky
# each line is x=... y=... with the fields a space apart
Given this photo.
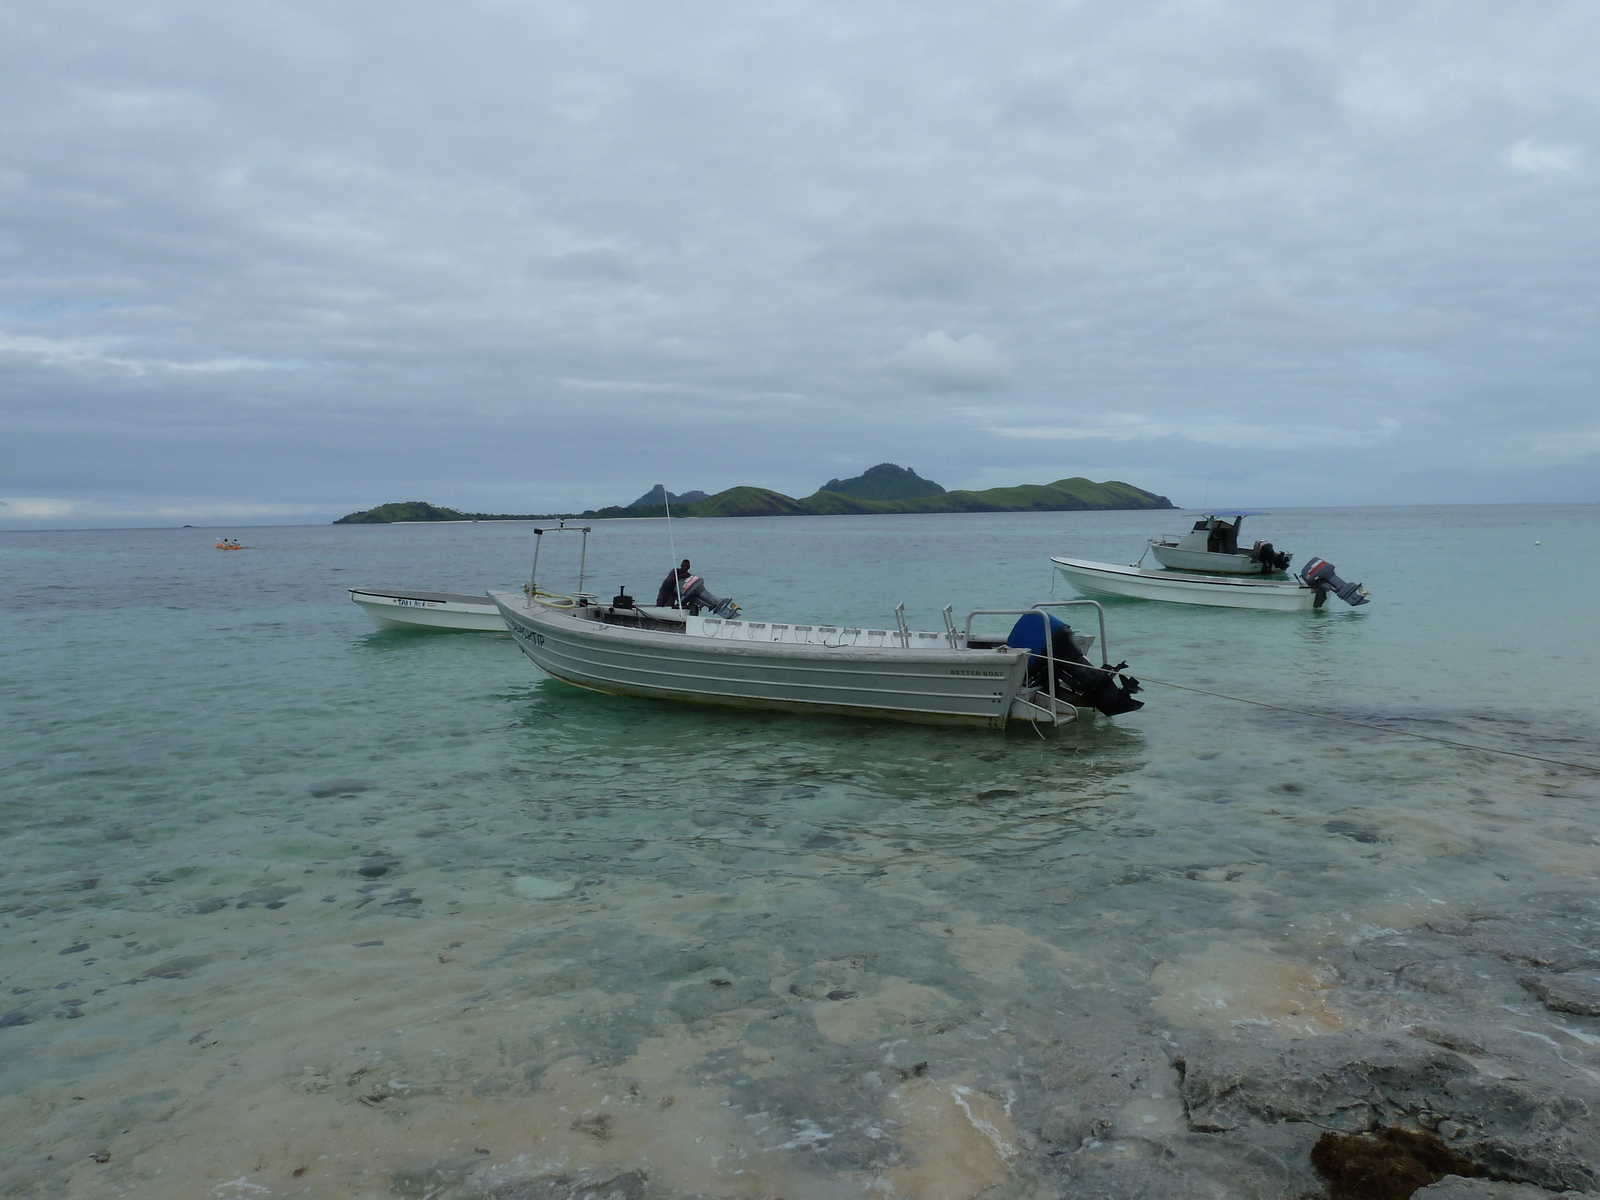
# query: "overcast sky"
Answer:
x=274 y=262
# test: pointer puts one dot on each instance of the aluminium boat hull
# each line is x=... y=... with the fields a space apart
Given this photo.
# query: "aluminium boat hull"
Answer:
x=1106 y=579
x=934 y=685
x=433 y=611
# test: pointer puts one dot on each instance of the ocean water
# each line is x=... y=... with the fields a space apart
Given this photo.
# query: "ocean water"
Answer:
x=293 y=907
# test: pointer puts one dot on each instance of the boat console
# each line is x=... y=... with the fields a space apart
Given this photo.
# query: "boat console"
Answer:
x=1213 y=546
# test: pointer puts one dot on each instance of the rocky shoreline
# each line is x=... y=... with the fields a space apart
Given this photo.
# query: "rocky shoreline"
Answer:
x=1483 y=1032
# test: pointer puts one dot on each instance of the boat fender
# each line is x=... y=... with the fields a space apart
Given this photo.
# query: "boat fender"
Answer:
x=1319 y=574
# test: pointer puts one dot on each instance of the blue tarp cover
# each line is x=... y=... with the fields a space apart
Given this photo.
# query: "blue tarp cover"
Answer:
x=1029 y=633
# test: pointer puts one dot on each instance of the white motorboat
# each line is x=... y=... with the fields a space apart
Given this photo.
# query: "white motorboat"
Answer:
x=412 y=609
x=1213 y=546
x=952 y=677
x=1307 y=591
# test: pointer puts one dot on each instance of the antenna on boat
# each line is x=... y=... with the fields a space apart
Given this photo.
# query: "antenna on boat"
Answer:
x=666 y=498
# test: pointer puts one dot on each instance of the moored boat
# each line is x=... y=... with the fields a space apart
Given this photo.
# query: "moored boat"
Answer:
x=952 y=677
x=439 y=611
x=1309 y=590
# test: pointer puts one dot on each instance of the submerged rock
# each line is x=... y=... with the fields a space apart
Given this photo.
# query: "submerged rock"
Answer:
x=340 y=787
x=176 y=968
x=493 y=1183
x=1390 y=1164
x=267 y=895
x=1358 y=1084
x=426 y=1177
x=1565 y=993
x=1453 y=1187
x=628 y=1185
x=532 y=887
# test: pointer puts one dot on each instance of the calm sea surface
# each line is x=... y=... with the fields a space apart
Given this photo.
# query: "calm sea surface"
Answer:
x=289 y=906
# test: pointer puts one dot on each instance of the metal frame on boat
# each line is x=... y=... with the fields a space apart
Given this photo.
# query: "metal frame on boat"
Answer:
x=935 y=678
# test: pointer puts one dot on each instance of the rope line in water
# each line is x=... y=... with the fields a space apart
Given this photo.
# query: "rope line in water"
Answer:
x=1426 y=737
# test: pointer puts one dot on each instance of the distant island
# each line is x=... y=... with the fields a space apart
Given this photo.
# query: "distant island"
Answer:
x=885 y=488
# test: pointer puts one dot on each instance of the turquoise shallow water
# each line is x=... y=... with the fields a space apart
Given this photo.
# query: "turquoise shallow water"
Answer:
x=281 y=891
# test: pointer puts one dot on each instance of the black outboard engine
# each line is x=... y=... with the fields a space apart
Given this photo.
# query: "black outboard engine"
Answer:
x=695 y=597
x=1085 y=686
x=622 y=599
x=1318 y=573
x=1269 y=558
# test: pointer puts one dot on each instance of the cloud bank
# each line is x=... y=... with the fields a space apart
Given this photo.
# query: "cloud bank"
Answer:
x=293 y=260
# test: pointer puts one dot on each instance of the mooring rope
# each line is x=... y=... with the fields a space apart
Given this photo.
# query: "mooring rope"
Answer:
x=1426 y=737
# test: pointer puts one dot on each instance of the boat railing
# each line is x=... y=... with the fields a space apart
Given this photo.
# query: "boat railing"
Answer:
x=900 y=625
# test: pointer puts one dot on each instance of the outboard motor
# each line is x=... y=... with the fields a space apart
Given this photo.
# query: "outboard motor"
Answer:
x=622 y=599
x=1104 y=688
x=1269 y=558
x=1318 y=573
x=695 y=597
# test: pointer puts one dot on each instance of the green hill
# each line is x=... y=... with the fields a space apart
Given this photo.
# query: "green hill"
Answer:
x=833 y=504
x=421 y=510
x=748 y=502
x=923 y=496
x=1064 y=495
x=408 y=510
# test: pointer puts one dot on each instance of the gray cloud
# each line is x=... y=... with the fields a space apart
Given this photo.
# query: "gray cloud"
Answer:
x=293 y=260
x=952 y=364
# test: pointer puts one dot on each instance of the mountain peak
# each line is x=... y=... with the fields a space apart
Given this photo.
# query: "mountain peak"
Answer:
x=658 y=496
x=886 y=481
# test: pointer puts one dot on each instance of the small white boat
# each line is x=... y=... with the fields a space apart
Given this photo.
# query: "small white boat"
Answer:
x=412 y=609
x=1213 y=546
x=1281 y=595
x=951 y=677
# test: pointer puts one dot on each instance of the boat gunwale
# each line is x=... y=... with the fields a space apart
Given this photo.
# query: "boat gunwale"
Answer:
x=730 y=646
x=461 y=599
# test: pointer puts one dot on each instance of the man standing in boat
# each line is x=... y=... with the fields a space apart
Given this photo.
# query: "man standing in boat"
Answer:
x=682 y=590
x=670 y=593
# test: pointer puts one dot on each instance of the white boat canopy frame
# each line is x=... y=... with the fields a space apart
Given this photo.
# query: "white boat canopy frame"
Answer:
x=583 y=557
